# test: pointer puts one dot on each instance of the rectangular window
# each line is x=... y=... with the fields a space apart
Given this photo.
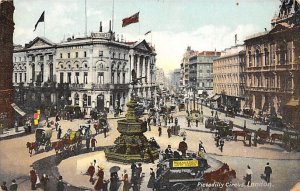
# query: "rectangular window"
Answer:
x=89 y=101
x=69 y=55
x=20 y=75
x=77 y=77
x=76 y=54
x=118 y=78
x=100 y=53
x=100 y=78
x=50 y=57
x=84 y=53
x=124 y=78
x=25 y=77
x=16 y=78
x=60 y=55
x=69 y=77
x=85 y=77
x=61 y=80
x=41 y=58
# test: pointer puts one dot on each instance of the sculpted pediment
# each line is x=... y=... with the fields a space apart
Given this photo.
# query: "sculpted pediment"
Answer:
x=39 y=42
x=143 y=46
x=280 y=27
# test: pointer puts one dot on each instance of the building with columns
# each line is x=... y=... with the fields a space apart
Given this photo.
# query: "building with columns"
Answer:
x=93 y=72
x=229 y=77
x=273 y=66
x=6 y=50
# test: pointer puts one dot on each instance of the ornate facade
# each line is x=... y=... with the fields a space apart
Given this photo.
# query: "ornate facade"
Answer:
x=92 y=72
x=273 y=65
x=229 y=76
x=6 y=43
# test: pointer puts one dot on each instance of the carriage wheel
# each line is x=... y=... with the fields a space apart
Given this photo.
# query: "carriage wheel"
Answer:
x=180 y=187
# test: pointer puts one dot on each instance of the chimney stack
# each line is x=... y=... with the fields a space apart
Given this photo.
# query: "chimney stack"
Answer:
x=100 y=29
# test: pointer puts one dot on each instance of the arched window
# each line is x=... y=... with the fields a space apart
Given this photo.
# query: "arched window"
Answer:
x=250 y=58
x=267 y=54
x=257 y=57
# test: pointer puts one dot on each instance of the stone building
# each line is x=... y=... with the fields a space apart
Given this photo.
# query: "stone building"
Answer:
x=184 y=67
x=273 y=65
x=201 y=71
x=229 y=77
x=175 y=79
x=6 y=51
x=92 y=72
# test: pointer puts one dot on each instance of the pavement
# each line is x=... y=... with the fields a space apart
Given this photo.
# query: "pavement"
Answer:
x=12 y=163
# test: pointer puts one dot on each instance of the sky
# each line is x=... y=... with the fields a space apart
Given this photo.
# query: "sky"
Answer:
x=175 y=24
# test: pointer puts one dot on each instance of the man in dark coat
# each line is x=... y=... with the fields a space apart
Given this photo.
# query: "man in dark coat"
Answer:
x=13 y=186
x=189 y=122
x=60 y=184
x=93 y=143
x=221 y=144
x=183 y=147
x=197 y=122
x=268 y=172
x=176 y=121
x=91 y=171
x=33 y=179
x=169 y=132
x=87 y=143
x=59 y=133
x=159 y=130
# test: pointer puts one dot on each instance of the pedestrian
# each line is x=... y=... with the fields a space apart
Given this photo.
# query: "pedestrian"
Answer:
x=169 y=152
x=60 y=186
x=212 y=113
x=125 y=179
x=169 y=132
x=87 y=143
x=189 y=122
x=182 y=147
x=29 y=126
x=13 y=186
x=201 y=147
x=150 y=155
x=44 y=182
x=154 y=121
x=248 y=176
x=56 y=125
x=100 y=174
x=59 y=132
x=268 y=172
x=217 y=140
x=169 y=117
x=166 y=120
x=221 y=144
x=33 y=179
x=91 y=171
x=148 y=121
x=139 y=171
x=93 y=143
x=197 y=122
x=57 y=118
x=176 y=121
x=3 y=186
x=159 y=130
x=133 y=168
x=114 y=180
x=151 y=179
x=172 y=119
x=105 y=128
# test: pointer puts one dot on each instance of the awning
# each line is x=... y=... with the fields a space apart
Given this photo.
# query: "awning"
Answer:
x=216 y=97
x=17 y=109
x=293 y=103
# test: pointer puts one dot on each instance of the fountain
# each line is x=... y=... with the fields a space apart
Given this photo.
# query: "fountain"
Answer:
x=132 y=145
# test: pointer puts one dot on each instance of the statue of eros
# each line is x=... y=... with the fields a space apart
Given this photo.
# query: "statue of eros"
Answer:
x=135 y=81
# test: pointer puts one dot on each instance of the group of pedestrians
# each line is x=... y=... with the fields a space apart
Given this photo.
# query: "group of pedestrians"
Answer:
x=249 y=173
x=13 y=186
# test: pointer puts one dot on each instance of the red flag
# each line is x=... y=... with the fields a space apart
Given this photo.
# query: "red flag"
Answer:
x=132 y=19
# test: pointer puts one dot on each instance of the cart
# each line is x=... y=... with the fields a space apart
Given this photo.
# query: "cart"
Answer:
x=43 y=137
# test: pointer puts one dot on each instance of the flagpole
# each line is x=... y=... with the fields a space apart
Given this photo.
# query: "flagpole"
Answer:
x=113 y=12
x=44 y=25
x=85 y=32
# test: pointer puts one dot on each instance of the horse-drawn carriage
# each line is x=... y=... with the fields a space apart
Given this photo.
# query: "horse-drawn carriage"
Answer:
x=210 y=122
x=101 y=125
x=230 y=112
x=181 y=107
x=180 y=174
x=224 y=128
x=42 y=139
x=248 y=112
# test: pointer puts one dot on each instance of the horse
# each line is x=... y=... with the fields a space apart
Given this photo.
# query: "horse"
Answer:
x=32 y=146
x=226 y=178
x=214 y=175
x=97 y=128
x=264 y=135
x=240 y=133
x=275 y=136
x=58 y=145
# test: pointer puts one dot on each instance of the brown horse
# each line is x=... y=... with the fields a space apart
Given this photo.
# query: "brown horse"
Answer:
x=32 y=146
x=97 y=127
x=226 y=178
x=214 y=175
x=58 y=146
x=263 y=135
x=239 y=133
x=275 y=136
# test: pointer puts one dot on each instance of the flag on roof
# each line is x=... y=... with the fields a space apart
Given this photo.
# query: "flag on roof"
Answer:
x=132 y=19
x=41 y=19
